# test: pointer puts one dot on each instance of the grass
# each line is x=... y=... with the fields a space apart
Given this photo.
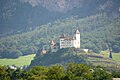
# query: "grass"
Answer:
x=25 y=60
x=104 y=60
x=98 y=59
x=21 y=61
x=116 y=56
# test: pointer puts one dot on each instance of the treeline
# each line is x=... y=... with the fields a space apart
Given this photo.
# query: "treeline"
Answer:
x=98 y=32
x=71 y=71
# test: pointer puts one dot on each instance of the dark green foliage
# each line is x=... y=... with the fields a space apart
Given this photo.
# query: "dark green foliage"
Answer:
x=116 y=74
x=56 y=72
x=3 y=74
x=115 y=71
x=11 y=53
x=16 y=74
x=100 y=74
x=71 y=71
x=62 y=56
x=78 y=72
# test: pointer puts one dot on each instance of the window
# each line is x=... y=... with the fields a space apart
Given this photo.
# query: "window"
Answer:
x=61 y=40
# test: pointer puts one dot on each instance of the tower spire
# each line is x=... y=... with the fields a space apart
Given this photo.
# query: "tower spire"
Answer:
x=77 y=31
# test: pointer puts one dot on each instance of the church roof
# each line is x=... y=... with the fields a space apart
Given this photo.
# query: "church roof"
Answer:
x=77 y=31
x=67 y=37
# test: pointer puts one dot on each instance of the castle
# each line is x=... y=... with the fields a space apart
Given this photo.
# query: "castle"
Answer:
x=66 y=41
x=70 y=41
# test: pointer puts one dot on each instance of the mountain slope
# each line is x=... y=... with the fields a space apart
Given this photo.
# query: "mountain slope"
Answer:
x=22 y=15
x=98 y=32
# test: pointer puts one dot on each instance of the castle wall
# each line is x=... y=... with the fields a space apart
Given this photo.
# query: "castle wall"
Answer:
x=66 y=43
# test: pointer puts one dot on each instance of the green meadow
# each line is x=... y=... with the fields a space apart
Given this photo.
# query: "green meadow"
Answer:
x=25 y=60
x=21 y=61
x=115 y=56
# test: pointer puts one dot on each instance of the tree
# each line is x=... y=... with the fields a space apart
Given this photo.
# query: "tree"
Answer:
x=78 y=72
x=10 y=72
x=38 y=73
x=16 y=74
x=25 y=75
x=56 y=72
x=3 y=74
x=110 y=54
x=100 y=74
x=116 y=48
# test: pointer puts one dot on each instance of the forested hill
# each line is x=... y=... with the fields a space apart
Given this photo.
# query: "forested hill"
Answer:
x=98 y=32
x=21 y=15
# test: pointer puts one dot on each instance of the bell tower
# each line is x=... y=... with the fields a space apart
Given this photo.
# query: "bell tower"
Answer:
x=77 y=37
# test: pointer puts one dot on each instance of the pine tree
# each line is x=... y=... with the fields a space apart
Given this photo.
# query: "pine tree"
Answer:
x=110 y=55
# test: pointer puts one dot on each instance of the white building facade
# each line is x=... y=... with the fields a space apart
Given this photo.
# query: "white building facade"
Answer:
x=70 y=41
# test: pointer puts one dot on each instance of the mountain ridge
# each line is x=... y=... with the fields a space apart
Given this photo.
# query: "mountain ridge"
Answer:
x=21 y=15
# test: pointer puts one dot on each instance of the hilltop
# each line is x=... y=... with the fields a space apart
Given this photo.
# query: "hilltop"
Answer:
x=64 y=56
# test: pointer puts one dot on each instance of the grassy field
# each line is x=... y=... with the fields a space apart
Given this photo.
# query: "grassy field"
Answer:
x=98 y=59
x=21 y=61
x=25 y=60
x=116 y=56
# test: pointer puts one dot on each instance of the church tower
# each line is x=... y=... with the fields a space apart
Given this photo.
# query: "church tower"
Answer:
x=77 y=35
x=77 y=39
